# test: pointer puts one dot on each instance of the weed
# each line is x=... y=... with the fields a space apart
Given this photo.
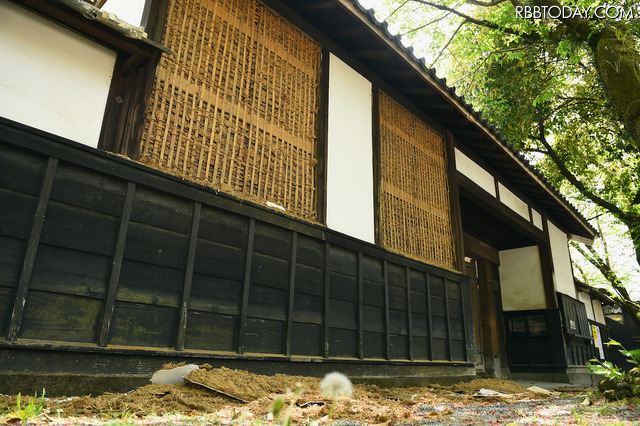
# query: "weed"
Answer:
x=33 y=408
x=617 y=377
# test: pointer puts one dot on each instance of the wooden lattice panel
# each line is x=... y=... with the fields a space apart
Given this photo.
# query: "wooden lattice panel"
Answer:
x=415 y=215
x=235 y=107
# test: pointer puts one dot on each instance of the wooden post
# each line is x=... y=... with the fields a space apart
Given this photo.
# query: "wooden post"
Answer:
x=446 y=312
x=246 y=284
x=386 y=310
x=110 y=300
x=325 y=315
x=32 y=247
x=292 y=291
x=409 y=319
x=360 y=310
x=429 y=322
x=454 y=201
x=188 y=275
x=323 y=137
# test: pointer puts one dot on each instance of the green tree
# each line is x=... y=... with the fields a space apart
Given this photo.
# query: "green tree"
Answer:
x=564 y=90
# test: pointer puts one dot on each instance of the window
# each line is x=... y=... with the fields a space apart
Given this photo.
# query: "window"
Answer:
x=235 y=107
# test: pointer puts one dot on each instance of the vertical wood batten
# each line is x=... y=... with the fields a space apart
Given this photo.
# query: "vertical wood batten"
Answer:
x=246 y=285
x=110 y=300
x=454 y=201
x=32 y=247
x=467 y=313
x=292 y=291
x=323 y=137
x=409 y=320
x=429 y=322
x=188 y=275
x=325 y=314
x=360 y=312
x=448 y=320
x=377 y=162
x=386 y=310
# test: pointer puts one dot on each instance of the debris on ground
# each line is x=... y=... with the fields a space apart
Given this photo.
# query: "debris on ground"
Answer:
x=213 y=396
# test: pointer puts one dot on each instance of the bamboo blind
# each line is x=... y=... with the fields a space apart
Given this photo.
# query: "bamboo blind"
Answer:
x=235 y=107
x=414 y=207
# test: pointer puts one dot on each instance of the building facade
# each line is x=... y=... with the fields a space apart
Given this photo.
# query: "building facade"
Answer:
x=279 y=186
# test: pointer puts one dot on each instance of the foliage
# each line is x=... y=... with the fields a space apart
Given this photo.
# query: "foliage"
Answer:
x=562 y=91
x=33 y=408
x=616 y=375
x=280 y=402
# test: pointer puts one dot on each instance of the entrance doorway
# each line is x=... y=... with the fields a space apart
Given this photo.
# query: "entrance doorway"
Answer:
x=488 y=319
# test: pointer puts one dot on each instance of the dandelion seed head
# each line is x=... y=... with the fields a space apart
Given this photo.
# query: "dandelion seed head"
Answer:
x=336 y=384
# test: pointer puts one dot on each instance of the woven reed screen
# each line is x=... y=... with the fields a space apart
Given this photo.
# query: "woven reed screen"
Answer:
x=414 y=209
x=235 y=107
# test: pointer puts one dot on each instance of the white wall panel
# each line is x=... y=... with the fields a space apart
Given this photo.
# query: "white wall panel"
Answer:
x=562 y=272
x=537 y=219
x=597 y=311
x=512 y=201
x=129 y=11
x=475 y=172
x=521 y=279
x=586 y=299
x=350 y=153
x=51 y=78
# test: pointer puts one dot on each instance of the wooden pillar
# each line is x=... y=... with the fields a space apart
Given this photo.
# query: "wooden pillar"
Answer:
x=454 y=202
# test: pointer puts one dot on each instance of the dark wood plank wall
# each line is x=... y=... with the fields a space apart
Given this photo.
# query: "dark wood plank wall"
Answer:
x=96 y=250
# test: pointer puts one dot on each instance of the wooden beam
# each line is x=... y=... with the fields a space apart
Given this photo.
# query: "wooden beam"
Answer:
x=308 y=8
x=32 y=247
x=374 y=54
x=188 y=276
x=112 y=289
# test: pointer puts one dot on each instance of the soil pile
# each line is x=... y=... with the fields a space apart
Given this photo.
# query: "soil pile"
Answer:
x=215 y=392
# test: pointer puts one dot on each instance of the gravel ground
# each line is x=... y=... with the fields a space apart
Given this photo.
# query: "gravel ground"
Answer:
x=552 y=411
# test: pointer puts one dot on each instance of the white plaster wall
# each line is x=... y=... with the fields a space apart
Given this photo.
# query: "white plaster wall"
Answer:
x=586 y=299
x=537 y=219
x=350 y=153
x=597 y=311
x=562 y=272
x=51 y=78
x=130 y=11
x=475 y=172
x=521 y=279
x=512 y=201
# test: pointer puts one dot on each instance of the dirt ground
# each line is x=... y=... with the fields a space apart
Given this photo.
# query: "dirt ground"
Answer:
x=206 y=403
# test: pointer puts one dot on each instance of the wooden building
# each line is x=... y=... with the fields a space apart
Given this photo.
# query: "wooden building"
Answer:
x=275 y=185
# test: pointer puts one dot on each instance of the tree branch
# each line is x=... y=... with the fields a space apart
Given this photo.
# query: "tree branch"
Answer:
x=464 y=21
x=485 y=3
x=395 y=10
x=574 y=180
x=480 y=22
x=427 y=24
